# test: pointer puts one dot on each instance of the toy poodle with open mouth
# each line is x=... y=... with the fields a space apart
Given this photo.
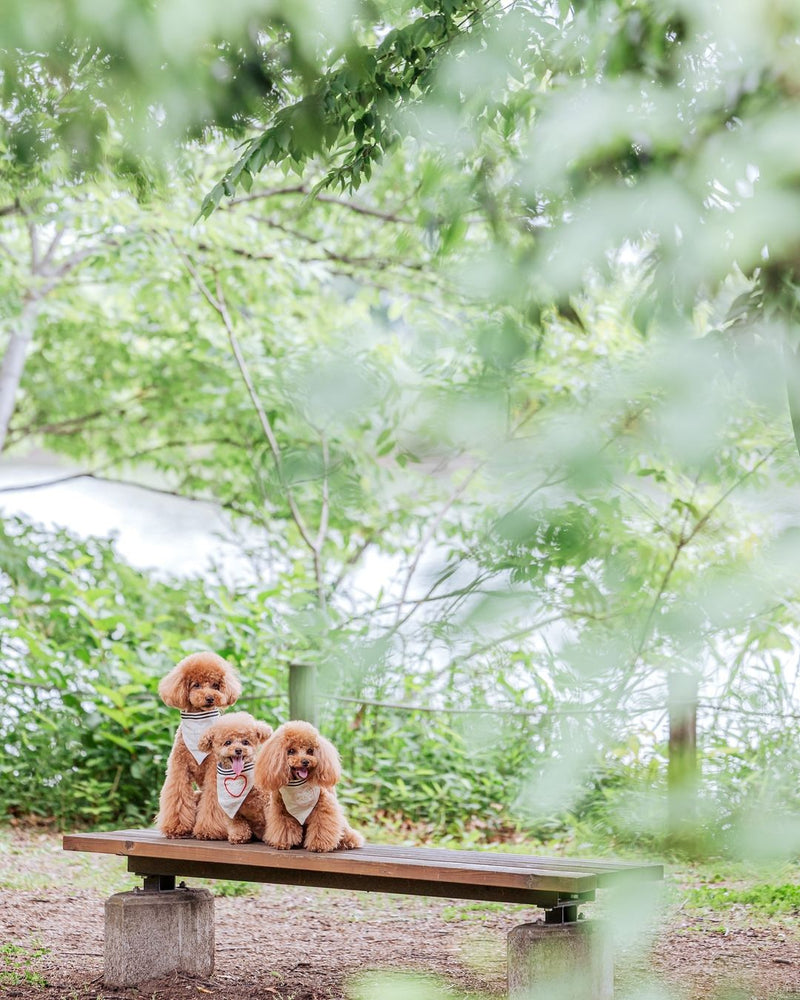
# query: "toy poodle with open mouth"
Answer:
x=231 y=808
x=200 y=685
x=299 y=770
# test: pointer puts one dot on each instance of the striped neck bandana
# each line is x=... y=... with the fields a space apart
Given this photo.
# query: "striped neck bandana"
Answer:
x=300 y=798
x=193 y=725
x=233 y=785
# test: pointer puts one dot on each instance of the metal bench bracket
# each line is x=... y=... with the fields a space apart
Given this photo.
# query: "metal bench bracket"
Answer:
x=158 y=883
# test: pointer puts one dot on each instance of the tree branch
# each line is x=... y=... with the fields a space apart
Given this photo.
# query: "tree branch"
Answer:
x=681 y=543
x=433 y=527
x=159 y=490
x=54 y=244
x=368 y=260
x=351 y=206
x=219 y=305
x=33 y=236
x=403 y=707
x=73 y=425
x=132 y=457
x=324 y=516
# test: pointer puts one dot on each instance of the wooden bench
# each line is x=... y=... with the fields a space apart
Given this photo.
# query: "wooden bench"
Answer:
x=558 y=885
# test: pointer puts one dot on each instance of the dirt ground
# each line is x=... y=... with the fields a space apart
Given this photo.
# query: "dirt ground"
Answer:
x=286 y=943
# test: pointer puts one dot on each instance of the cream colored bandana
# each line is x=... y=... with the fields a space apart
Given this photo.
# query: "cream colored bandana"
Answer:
x=300 y=798
x=233 y=786
x=193 y=726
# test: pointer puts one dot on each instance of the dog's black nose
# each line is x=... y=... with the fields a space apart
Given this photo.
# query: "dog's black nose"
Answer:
x=305 y=762
x=238 y=752
x=209 y=700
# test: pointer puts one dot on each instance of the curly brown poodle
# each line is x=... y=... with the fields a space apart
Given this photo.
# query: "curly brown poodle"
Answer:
x=200 y=685
x=231 y=808
x=299 y=769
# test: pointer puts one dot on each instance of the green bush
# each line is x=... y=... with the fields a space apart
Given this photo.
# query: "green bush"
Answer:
x=422 y=767
x=85 y=640
x=765 y=899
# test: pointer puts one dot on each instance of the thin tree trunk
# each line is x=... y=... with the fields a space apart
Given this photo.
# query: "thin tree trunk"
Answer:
x=14 y=363
x=791 y=358
x=682 y=773
x=303 y=692
x=45 y=275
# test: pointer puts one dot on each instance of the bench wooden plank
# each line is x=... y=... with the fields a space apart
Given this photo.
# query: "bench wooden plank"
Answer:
x=610 y=872
x=607 y=872
x=376 y=867
x=384 y=864
x=361 y=883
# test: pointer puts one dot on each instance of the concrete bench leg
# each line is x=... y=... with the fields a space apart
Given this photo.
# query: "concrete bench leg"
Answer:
x=569 y=961
x=148 y=935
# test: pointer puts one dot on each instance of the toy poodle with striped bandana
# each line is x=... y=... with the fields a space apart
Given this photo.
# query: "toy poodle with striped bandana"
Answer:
x=200 y=685
x=230 y=807
x=298 y=768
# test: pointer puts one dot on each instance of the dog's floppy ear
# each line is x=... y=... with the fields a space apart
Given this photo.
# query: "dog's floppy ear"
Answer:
x=206 y=742
x=231 y=686
x=271 y=769
x=263 y=732
x=173 y=689
x=329 y=767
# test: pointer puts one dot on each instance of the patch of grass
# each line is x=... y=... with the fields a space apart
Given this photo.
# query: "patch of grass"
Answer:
x=472 y=911
x=765 y=899
x=402 y=986
x=228 y=887
x=15 y=965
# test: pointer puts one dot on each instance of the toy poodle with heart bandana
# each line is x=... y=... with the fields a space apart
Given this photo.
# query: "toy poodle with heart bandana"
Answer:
x=230 y=807
x=299 y=770
x=200 y=685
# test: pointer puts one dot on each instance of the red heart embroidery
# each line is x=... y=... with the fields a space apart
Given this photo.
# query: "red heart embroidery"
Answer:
x=238 y=779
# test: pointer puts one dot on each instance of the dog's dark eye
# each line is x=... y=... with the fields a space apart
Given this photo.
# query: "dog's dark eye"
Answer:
x=215 y=686
x=245 y=743
x=228 y=743
x=291 y=751
x=310 y=752
x=195 y=684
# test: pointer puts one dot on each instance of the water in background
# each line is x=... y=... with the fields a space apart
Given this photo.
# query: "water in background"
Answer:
x=152 y=531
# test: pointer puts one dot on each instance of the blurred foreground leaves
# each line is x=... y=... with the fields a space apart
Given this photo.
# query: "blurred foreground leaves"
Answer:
x=483 y=346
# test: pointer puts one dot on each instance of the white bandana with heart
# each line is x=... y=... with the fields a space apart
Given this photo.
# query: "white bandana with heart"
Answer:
x=193 y=726
x=233 y=784
x=300 y=798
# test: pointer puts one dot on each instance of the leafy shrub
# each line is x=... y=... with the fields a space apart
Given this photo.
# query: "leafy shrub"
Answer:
x=422 y=767
x=765 y=899
x=85 y=639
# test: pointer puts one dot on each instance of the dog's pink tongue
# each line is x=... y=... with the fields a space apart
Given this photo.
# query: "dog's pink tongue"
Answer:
x=237 y=763
x=302 y=773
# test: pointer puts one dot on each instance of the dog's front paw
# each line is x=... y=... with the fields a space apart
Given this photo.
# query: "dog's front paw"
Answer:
x=351 y=839
x=239 y=838
x=283 y=834
x=285 y=840
x=320 y=845
x=209 y=833
x=279 y=845
x=239 y=833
